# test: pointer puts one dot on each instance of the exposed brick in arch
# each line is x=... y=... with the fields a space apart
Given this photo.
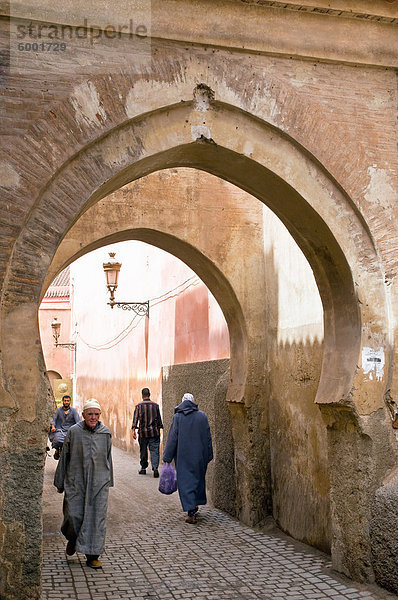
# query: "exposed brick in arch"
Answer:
x=54 y=139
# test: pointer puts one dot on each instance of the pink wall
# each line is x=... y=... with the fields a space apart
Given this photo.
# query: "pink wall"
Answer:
x=60 y=360
x=115 y=357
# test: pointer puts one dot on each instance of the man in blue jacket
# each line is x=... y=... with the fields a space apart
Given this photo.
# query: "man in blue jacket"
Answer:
x=64 y=418
x=189 y=444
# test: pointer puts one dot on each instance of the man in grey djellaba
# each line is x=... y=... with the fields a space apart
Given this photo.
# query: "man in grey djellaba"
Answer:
x=189 y=444
x=85 y=474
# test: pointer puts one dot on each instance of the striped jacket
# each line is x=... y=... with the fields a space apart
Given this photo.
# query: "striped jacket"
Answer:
x=147 y=419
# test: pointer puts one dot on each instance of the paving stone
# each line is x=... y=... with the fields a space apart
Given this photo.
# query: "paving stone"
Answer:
x=151 y=554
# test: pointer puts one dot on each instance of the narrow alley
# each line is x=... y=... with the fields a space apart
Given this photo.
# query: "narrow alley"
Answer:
x=152 y=554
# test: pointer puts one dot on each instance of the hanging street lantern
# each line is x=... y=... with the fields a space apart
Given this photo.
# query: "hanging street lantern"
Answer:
x=112 y=270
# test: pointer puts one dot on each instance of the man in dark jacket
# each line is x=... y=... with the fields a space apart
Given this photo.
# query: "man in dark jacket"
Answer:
x=189 y=444
x=148 y=421
x=64 y=418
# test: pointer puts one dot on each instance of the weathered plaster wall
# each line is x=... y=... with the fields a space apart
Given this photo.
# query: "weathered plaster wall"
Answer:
x=384 y=520
x=299 y=460
x=60 y=360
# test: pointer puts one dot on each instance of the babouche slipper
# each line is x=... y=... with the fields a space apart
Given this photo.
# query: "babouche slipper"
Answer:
x=94 y=564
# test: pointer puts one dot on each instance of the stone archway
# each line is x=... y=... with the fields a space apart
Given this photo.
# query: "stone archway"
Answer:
x=216 y=137
x=250 y=161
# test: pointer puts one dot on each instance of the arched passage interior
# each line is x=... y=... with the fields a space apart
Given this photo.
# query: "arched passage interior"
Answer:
x=118 y=352
x=303 y=201
x=242 y=232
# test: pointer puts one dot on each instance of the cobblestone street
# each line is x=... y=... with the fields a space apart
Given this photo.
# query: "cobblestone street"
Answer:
x=152 y=554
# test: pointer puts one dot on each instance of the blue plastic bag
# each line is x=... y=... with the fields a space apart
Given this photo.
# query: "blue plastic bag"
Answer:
x=168 y=479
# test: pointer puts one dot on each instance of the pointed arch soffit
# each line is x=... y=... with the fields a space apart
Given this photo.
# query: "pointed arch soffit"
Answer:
x=76 y=124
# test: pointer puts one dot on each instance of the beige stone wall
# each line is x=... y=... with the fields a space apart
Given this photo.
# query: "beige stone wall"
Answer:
x=298 y=436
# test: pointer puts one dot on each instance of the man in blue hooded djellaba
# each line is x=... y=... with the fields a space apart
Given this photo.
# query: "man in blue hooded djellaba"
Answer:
x=189 y=444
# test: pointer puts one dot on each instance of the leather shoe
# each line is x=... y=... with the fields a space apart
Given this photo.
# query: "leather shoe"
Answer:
x=191 y=520
x=155 y=473
x=142 y=472
x=94 y=564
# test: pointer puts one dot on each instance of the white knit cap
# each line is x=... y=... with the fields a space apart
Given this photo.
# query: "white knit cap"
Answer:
x=91 y=403
x=188 y=397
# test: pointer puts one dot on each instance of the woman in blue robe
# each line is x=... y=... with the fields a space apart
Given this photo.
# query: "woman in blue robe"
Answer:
x=189 y=445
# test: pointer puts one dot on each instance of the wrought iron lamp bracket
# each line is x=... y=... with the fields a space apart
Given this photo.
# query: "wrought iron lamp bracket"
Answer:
x=140 y=308
x=69 y=345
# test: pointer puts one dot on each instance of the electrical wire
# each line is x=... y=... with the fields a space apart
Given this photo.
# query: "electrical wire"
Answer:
x=194 y=277
x=193 y=284
x=99 y=346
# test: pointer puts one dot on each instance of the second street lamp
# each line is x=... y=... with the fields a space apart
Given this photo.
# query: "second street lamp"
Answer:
x=56 y=327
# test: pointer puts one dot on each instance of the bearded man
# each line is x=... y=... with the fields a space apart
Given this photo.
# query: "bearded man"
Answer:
x=64 y=418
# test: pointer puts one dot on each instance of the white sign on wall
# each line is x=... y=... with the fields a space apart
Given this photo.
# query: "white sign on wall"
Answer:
x=373 y=363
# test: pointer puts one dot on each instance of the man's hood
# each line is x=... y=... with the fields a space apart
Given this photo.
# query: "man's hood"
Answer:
x=186 y=407
x=99 y=428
